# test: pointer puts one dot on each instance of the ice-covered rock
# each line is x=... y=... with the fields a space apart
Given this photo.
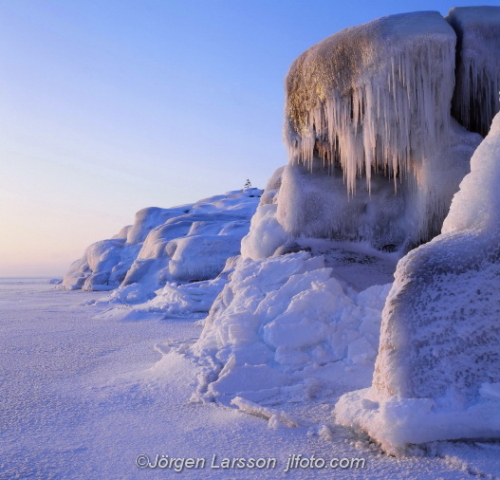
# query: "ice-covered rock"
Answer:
x=438 y=367
x=475 y=101
x=370 y=105
x=103 y=266
x=168 y=246
x=375 y=155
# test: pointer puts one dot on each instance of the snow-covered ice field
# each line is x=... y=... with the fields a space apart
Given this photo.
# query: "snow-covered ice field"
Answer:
x=85 y=392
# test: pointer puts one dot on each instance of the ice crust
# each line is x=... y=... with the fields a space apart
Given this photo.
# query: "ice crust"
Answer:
x=166 y=248
x=475 y=101
x=438 y=367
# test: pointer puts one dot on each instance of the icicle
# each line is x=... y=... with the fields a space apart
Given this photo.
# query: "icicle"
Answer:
x=374 y=101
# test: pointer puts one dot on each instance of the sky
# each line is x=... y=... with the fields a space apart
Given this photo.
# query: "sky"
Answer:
x=111 y=106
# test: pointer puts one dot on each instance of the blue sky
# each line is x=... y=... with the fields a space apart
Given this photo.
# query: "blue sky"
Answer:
x=110 y=106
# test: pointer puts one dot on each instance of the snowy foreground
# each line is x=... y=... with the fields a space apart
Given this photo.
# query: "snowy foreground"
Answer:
x=86 y=390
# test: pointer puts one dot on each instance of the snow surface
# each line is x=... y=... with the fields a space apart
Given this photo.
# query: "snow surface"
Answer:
x=437 y=374
x=86 y=391
x=476 y=98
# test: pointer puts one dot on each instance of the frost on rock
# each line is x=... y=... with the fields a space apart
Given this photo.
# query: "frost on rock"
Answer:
x=165 y=249
x=368 y=118
x=437 y=373
x=282 y=326
x=475 y=101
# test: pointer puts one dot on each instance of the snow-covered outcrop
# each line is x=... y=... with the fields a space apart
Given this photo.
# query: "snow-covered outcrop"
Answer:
x=104 y=264
x=166 y=247
x=475 y=101
x=437 y=373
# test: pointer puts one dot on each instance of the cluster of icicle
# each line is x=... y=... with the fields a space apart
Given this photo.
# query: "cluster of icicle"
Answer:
x=376 y=97
x=349 y=108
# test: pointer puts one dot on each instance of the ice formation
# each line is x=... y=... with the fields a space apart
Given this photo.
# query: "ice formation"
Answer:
x=284 y=326
x=369 y=106
x=167 y=248
x=375 y=155
x=374 y=97
x=475 y=101
x=437 y=373
x=375 y=159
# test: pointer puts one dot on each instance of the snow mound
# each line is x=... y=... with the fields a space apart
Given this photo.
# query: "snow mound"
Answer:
x=266 y=234
x=165 y=248
x=284 y=324
x=437 y=373
x=476 y=101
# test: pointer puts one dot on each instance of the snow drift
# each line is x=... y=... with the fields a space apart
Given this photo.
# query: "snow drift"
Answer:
x=437 y=373
x=167 y=248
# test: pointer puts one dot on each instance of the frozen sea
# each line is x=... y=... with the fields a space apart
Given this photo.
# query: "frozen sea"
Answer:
x=87 y=393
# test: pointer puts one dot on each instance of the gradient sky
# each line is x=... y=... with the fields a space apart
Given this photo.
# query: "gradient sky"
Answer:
x=110 y=106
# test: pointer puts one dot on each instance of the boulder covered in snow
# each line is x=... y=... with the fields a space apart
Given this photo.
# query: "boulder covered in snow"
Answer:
x=437 y=373
x=177 y=245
